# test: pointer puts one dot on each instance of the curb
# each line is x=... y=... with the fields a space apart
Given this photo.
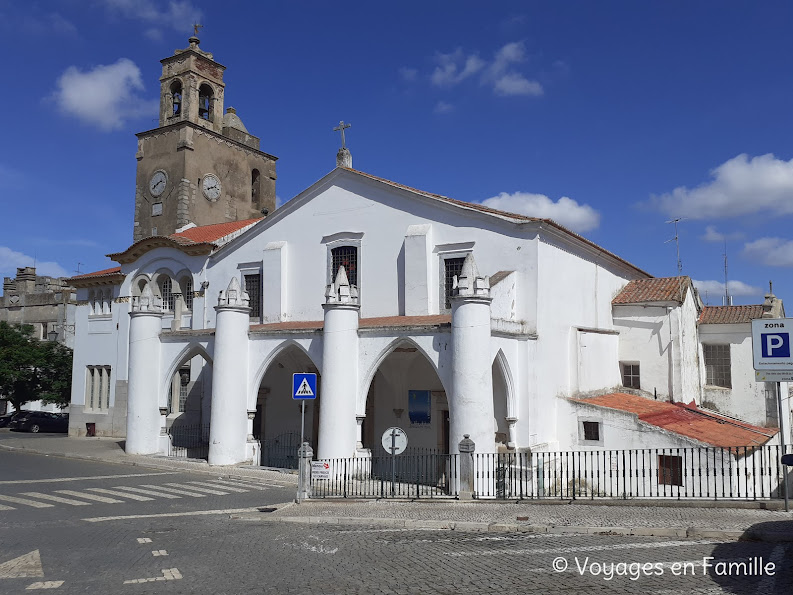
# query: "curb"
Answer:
x=481 y=527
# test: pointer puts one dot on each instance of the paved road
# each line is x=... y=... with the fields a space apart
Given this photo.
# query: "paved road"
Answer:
x=169 y=538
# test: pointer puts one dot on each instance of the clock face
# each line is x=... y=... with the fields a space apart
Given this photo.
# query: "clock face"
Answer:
x=157 y=183
x=211 y=187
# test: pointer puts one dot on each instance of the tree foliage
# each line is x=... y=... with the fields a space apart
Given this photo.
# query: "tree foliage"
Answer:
x=31 y=369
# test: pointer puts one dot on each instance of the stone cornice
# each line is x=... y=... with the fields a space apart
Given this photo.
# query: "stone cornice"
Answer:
x=170 y=128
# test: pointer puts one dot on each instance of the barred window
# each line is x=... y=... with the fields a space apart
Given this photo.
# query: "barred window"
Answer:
x=630 y=375
x=253 y=285
x=591 y=430
x=166 y=291
x=717 y=365
x=187 y=292
x=452 y=267
x=670 y=470
x=346 y=256
x=184 y=381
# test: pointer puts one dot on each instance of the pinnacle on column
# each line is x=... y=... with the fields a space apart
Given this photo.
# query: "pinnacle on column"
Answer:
x=470 y=282
x=340 y=291
x=233 y=295
x=147 y=301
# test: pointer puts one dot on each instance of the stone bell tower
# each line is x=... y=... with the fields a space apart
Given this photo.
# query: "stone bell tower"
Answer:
x=200 y=165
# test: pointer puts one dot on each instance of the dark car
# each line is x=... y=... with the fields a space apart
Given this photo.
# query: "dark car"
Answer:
x=8 y=417
x=40 y=421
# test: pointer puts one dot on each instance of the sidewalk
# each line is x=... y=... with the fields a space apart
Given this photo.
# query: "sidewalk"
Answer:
x=694 y=519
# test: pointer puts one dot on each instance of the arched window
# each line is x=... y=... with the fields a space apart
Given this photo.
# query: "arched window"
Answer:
x=92 y=302
x=255 y=187
x=166 y=291
x=205 y=99
x=176 y=98
x=187 y=292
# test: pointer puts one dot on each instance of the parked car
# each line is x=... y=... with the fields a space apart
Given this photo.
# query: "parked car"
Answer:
x=6 y=419
x=40 y=421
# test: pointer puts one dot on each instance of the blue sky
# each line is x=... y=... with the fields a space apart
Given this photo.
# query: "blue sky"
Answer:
x=609 y=117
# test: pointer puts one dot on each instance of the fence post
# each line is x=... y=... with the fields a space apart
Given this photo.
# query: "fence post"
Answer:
x=305 y=455
x=467 y=448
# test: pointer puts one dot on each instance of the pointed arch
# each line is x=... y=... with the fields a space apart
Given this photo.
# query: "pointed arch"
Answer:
x=189 y=352
x=502 y=365
x=257 y=378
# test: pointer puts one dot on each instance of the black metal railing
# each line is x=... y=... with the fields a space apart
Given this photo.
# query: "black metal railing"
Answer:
x=402 y=476
x=281 y=451
x=189 y=441
x=745 y=473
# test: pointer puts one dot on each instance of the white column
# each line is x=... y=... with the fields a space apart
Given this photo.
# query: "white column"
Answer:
x=228 y=428
x=143 y=413
x=337 y=423
x=471 y=402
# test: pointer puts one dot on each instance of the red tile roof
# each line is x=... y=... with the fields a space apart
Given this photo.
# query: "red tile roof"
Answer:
x=660 y=289
x=382 y=321
x=102 y=273
x=730 y=314
x=686 y=420
x=212 y=233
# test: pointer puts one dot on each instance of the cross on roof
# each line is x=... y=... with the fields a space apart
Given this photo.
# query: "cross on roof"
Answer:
x=196 y=27
x=340 y=128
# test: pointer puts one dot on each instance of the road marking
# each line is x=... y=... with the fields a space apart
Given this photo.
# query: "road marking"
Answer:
x=147 y=492
x=156 y=553
x=175 y=491
x=121 y=494
x=4 y=507
x=90 y=497
x=44 y=585
x=197 y=489
x=59 y=479
x=252 y=486
x=56 y=499
x=171 y=514
x=213 y=485
x=25 y=566
x=26 y=502
x=588 y=548
x=168 y=574
x=144 y=539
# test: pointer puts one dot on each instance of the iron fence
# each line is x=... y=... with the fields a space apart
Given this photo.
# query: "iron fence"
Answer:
x=745 y=473
x=189 y=441
x=281 y=451
x=402 y=476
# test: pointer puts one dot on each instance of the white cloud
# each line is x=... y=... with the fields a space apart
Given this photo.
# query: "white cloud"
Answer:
x=740 y=186
x=712 y=235
x=11 y=259
x=176 y=14
x=443 y=108
x=564 y=211
x=408 y=74
x=716 y=288
x=105 y=96
x=499 y=74
x=775 y=252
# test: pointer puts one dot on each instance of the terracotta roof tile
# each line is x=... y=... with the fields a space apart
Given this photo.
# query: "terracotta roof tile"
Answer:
x=686 y=420
x=102 y=273
x=659 y=289
x=730 y=314
x=212 y=233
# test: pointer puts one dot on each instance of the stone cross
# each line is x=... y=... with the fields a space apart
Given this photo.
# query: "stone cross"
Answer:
x=340 y=128
x=196 y=27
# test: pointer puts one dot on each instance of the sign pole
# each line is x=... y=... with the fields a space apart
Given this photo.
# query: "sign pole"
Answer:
x=782 y=444
x=393 y=459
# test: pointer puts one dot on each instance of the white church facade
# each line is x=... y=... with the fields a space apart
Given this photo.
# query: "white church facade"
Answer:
x=415 y=310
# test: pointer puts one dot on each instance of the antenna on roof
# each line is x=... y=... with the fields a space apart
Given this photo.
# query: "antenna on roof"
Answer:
x=676 y=240
x=78 y=268
x=727 y=298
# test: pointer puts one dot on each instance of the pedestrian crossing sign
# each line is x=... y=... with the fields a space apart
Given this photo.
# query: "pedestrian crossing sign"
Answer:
x=304 y=386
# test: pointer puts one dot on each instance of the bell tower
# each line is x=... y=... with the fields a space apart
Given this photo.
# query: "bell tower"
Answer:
x=200 y=165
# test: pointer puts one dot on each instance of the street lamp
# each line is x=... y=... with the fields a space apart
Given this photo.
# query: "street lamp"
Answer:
x=52 y=335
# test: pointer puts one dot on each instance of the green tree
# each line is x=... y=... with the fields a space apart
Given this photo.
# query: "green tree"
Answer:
x=31 y=370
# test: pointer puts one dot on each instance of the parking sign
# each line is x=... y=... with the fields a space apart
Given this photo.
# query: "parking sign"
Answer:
x=771 y=343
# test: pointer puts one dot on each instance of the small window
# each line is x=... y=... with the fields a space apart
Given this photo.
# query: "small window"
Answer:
x=346 y=256
x=717 y=365
x=176 y=98
x=184 y=382
x=591 y=430
x=670 y=470
x=97 y=388
x=205 y=100
x=253 y=285
x=166 y=291
x=187 y=292
x=452 y=268
x=630 y=375
x=255 y=188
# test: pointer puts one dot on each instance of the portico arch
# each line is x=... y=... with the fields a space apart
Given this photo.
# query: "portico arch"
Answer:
x=504 y=410
x=187 y=387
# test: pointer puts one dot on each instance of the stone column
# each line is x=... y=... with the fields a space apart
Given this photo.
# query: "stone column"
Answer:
x=143 y=407
x=228 y=429
x=471 y=403
x=466 y=448
x=337 y=424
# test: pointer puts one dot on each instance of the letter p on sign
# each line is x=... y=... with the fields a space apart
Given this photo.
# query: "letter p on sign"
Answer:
x=775 y=344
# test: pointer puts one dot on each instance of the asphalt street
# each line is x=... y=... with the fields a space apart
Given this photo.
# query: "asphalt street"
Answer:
x=69 y=526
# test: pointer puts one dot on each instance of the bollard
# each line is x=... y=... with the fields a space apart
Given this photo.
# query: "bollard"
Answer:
x=305 y=455
x=467 y=448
